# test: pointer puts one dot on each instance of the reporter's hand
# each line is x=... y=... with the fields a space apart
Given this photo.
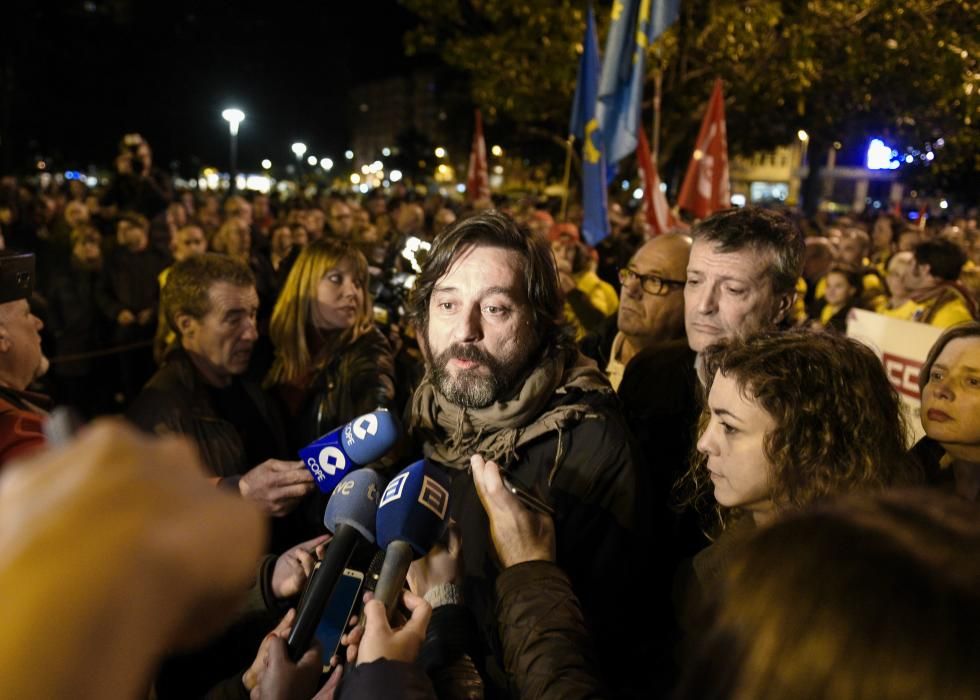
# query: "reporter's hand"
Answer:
x=125 y=318
x=380 y=641
x=270 y=672
x=294 y=566
x=518 y=534
x=281 y=679
x=443 y=564
x=276 y=486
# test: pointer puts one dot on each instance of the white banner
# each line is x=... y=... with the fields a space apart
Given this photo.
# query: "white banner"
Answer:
x=902 y=347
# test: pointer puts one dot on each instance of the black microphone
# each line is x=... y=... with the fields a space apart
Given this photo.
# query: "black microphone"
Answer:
x=350 y=516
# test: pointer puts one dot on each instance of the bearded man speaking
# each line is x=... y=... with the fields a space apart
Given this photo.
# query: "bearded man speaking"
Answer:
x=505 y=381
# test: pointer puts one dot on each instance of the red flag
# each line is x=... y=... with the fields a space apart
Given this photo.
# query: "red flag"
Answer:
x=654 y=202
x=705 y=189
x=477 y=177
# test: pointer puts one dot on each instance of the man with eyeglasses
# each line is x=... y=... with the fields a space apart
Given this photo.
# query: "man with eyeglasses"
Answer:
x=651 y=305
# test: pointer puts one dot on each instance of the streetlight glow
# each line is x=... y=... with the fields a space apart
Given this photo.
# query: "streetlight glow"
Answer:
x=311 y=160
x=349 y=155
x=266 y=163
x=802 y=135
x=234 y=117
x=440 y=152
x=326 y=163
x=299 y=148
x=497 y=151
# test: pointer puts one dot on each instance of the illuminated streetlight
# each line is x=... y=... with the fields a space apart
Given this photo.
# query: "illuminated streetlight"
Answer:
x=386 y=151
x=804 y=145
x=234 y=117
x=266 y=163
x=349 y=155
x=326 y=163
x=299 y=148
x=311 y=160
x=440 y=152
x=497 y=151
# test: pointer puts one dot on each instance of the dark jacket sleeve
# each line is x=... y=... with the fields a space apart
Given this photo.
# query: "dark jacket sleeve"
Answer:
x=394 y=680
x=547 y=649
x=451 y=644
x=370 y=372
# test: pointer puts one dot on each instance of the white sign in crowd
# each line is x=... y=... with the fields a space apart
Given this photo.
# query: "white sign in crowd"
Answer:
x=902 y=347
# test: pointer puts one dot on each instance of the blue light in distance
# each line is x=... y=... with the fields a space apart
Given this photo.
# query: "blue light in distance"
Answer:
x=880 y=156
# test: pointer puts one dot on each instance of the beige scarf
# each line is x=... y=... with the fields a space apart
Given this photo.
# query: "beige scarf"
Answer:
x=453 y=433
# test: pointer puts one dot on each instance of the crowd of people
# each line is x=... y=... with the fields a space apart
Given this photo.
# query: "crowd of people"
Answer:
x=731 y=504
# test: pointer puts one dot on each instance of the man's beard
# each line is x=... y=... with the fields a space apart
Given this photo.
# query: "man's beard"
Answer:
x=474 y=387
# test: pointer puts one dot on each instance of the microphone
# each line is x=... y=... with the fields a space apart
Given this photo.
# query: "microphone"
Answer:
x=350 y=516
x=411 y=517
x=362 y=441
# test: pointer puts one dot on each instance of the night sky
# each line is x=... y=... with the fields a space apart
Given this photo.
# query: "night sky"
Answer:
x=79 y=74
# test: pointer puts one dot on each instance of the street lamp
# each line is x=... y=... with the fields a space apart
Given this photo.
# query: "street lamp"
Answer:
x=299 y=148
x=804 y=144
x=234 y=117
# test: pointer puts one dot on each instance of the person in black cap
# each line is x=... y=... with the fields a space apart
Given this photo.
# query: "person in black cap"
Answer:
x=21 y=359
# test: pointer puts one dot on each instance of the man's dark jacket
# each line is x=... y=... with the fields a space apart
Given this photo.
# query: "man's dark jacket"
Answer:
x=587 y=473
x=176 y=400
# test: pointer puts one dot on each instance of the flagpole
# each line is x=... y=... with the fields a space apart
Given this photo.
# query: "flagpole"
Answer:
x=658 y=81
x=567 y=177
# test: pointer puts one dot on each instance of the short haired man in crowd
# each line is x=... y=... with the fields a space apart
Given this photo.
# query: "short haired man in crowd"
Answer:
x=936 y=297
x=210 y=303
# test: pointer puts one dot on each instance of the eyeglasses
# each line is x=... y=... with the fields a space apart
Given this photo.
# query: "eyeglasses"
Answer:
x=651 y=284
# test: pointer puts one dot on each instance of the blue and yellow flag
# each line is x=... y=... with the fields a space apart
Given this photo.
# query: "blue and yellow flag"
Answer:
x=585 y=126
x=635 y=25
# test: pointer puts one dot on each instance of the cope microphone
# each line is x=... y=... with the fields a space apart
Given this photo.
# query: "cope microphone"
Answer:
x=411 y=517
x=362 y=441
x=350 y=516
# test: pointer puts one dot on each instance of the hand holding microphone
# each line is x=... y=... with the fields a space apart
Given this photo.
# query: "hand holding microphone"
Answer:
x=350 y=516
x=412 y=516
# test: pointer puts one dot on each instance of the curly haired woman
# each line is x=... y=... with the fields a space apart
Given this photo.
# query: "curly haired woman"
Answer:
x=792 y=418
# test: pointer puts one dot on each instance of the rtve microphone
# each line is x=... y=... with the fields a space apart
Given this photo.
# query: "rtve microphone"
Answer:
x=411 y=518
x=362 y=441
x=350 y=516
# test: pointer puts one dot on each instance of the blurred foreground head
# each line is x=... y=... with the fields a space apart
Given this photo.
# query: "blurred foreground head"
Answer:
x=874 y=597
x=114 y=550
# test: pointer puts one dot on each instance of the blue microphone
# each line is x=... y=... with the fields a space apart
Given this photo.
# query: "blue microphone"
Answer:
x=350 y=516
x=364 y=440
x=411 y=517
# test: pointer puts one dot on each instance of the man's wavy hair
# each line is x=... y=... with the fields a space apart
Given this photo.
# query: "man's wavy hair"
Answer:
x=494 y=229
x=839 y=423
x=762 y=231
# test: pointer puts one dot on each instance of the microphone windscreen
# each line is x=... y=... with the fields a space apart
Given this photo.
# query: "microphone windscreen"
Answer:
x=367 y=438
x=414 y=507
x=355 y=503
x=362 y=441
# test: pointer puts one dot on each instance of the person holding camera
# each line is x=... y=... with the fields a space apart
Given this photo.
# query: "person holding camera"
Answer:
x=137 y=186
